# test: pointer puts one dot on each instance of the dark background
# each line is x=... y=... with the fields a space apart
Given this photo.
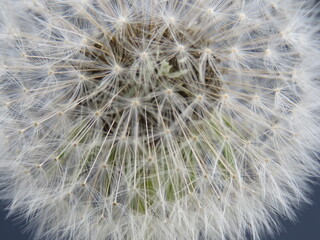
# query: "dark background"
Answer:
x=307 y=227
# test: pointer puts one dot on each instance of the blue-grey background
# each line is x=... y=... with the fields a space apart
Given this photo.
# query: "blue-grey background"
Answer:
x=307 y=227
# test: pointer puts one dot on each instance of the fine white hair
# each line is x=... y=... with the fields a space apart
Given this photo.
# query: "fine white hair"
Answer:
x=158 y=119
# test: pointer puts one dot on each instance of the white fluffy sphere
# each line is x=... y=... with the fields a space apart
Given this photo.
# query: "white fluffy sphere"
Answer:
x=158 y=119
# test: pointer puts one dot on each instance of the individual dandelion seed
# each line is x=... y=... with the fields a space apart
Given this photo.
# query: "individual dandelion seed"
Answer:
x=136 y=119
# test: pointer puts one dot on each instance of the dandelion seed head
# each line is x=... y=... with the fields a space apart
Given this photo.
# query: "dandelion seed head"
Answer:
x=137 y=119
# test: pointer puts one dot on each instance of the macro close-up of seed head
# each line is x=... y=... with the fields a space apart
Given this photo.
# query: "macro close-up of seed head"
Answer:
x=158 y=119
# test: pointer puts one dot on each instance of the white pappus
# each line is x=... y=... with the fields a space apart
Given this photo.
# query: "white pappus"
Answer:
x=158 y=119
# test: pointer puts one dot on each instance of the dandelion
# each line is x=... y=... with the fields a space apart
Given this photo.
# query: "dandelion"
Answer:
x=157 y=119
